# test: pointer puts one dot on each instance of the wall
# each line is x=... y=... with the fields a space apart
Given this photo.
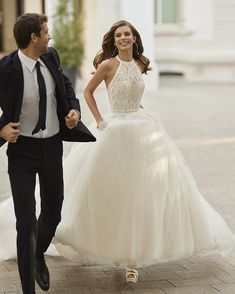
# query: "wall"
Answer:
x=9 y=17
x=202 y=49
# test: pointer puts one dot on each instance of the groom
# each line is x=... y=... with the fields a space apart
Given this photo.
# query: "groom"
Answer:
x=38 y=105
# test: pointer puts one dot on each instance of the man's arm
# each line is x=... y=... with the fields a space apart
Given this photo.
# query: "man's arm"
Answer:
x=73 y=102
x=74 y=114
x=10 y=132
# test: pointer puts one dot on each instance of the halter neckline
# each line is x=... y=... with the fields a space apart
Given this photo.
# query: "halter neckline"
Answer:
x=120 y=60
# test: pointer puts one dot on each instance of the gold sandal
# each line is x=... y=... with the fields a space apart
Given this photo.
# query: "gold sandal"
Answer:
x=131 y=275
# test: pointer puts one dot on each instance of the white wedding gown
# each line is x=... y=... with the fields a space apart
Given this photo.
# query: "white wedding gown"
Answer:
x=130 y=197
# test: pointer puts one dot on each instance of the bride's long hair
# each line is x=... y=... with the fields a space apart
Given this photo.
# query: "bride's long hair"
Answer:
x=109 y=50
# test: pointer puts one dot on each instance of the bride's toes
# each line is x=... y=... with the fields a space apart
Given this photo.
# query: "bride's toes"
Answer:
x=131 y=275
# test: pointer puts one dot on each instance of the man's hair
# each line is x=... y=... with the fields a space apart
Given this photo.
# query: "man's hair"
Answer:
x=27 y=24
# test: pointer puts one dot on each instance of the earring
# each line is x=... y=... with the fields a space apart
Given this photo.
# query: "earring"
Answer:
x=114 y=51
x=137 y=49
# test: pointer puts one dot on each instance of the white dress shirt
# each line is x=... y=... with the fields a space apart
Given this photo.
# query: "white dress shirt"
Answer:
x=30 y=106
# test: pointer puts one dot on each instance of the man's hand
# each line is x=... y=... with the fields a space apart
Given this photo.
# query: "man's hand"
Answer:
x=72 y=118
x=10 y=132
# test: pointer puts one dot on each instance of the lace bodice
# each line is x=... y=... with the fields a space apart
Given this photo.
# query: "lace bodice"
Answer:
x=126 y=88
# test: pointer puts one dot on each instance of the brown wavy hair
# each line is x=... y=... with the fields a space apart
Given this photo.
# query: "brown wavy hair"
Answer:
x=25 y=25
x=108 y=48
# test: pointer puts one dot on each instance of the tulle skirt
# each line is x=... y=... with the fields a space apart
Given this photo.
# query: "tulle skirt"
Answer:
x=130 y=198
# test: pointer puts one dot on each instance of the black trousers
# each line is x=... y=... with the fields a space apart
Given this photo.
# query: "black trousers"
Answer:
x=27 y=158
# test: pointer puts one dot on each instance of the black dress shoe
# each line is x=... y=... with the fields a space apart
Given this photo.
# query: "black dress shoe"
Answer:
x=42 y=276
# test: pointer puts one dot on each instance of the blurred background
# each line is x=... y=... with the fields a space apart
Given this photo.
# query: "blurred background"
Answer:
x=186 y=38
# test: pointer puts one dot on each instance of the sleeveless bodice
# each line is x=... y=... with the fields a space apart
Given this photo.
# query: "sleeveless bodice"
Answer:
x=126 y=88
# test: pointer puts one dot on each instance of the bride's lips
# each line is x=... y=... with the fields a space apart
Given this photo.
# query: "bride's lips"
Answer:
x=124 y=43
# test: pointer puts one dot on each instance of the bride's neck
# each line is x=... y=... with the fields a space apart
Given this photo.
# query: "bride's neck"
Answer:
x=125 y=56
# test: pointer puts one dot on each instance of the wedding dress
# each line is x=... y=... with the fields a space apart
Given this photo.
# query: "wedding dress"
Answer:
x=130 y=197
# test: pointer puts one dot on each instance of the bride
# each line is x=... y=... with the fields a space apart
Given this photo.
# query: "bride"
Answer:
x=130 y=198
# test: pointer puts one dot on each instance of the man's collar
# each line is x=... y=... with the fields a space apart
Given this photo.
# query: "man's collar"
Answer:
x=28 y=62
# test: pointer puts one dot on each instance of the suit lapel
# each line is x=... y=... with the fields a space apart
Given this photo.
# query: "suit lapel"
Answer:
x=54 y=69
x=57 y=74
x=19 y=83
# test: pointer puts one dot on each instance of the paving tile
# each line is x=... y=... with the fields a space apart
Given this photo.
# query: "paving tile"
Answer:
x=203 y=281
x=225 y=288
x=192 y=290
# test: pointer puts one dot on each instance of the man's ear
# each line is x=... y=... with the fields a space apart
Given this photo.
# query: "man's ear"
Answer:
x=33 y=37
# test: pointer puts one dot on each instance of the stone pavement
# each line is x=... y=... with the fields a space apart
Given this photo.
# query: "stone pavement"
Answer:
x=200 y=118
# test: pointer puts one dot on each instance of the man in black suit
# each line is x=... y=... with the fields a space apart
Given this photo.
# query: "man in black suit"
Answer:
x=38 y=105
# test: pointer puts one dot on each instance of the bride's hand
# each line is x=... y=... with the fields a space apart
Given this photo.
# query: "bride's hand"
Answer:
x=101 y=125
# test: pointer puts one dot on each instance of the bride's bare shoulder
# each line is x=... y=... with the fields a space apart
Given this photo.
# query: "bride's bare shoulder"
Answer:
x=109 y=63
x=109 y=66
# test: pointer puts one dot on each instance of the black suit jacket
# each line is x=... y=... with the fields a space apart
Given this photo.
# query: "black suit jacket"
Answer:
x=11 y=94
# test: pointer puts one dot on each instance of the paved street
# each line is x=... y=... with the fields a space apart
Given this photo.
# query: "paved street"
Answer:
x=200 y=118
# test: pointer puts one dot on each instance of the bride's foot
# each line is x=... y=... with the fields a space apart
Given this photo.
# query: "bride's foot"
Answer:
x=131 y=275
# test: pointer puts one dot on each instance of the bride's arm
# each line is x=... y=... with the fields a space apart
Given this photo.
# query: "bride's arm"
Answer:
x=98 y=77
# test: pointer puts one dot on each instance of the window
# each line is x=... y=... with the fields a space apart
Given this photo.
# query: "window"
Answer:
x=166 y=11
x=19 y=7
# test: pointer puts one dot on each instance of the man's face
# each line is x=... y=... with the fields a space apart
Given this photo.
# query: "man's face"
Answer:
x=41 y=44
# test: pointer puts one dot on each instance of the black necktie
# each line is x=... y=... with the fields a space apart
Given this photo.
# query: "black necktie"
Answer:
x=41 y=124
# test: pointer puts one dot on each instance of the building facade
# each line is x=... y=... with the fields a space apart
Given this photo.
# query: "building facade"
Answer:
x=9 y=10
x=186 y=37
x=194 y=38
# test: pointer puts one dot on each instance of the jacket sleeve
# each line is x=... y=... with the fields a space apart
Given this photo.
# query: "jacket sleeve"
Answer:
x=2 y=117
x=73 y=102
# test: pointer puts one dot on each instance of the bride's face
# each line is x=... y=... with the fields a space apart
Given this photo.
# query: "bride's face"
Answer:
x=123 y=38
